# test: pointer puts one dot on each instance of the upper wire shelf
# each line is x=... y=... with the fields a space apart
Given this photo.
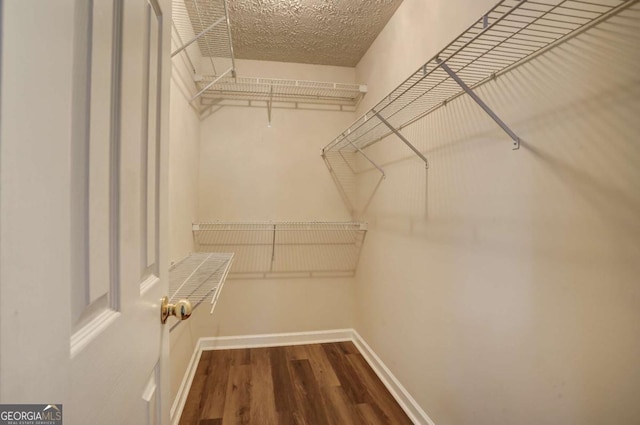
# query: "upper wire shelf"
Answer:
x=507 y=35
x=202 y=33
x=203 y=22
x=281 y=90
x=285 y=249
x=199 y=277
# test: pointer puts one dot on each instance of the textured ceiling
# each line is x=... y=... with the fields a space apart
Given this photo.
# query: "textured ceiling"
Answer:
x=326 y=32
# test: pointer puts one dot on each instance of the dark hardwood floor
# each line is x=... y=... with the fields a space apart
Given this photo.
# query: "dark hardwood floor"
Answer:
x=303 y=385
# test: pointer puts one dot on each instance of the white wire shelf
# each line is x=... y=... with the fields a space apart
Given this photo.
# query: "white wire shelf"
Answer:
x=280 y=90
x=199 y=277
x=285 y=249
x=507 y=35
x=204 y=22
x=202 y=33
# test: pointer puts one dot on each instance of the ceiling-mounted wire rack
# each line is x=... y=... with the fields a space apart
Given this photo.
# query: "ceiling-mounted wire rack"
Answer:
x=291 y=93
x=506 y=36
x=204 y=22
x=202 y=33
x=280 y=90
x=199 y=277
x=285 y=249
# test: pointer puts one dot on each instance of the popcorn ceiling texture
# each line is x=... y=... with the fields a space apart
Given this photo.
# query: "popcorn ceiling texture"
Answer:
x=325 y=32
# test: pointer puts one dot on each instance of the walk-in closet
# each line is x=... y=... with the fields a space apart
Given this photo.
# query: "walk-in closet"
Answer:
x=321 y=211
x=461 y=194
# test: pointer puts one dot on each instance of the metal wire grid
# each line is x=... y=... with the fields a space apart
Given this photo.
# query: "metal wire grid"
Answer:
x=192 y=17
x=342 y=166
x=263 y=249
x=282 y=90
x=509 y=33
x=199 y=276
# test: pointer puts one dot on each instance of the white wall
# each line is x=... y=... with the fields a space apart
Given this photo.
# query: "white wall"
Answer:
x=231 y=166
x=183 y=197
x=250 y=172
x=504 y=289
x=254 y=306
x=183 y=173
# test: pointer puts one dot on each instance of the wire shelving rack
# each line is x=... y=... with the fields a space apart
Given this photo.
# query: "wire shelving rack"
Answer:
x=285 y=249
x=199 y=277
x=281 y=90
x=512 y=32
x=202 y=34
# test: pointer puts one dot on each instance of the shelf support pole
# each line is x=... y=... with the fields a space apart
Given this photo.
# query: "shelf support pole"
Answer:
x=480 y=102
x=215 y=80
x=273 y=248
x=365 y=157
x=269 y=105
x=194 y=39
x=233 y=60
x=401 y=137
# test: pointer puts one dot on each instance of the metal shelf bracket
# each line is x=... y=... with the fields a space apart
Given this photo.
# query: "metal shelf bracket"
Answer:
x=206 y=26
x=507 y=35
x=480 y=102
x=194 y=39
x=270 y=105
x=367 y=158
x=215 y=80
x=400 y=136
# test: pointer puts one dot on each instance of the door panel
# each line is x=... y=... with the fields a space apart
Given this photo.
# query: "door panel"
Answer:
x=151 y=396
x=151 y=139
x=95 y=163
x=83 y=208
x=35 y=224
x=104 y=76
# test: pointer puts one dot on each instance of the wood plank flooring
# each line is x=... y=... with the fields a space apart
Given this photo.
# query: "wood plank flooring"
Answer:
x=318 y=384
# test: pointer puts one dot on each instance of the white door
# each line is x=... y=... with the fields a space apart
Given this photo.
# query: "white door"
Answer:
x=83 y=207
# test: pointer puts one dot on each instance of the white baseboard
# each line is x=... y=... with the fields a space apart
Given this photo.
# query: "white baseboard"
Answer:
x=402 y=396
x=275 y=340
x=185 y=386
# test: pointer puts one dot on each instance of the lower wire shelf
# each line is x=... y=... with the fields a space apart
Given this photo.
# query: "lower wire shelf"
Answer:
x=199 y=277
x=285 y=249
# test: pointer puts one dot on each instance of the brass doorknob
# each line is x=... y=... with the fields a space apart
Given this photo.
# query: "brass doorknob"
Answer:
x=181 y=310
